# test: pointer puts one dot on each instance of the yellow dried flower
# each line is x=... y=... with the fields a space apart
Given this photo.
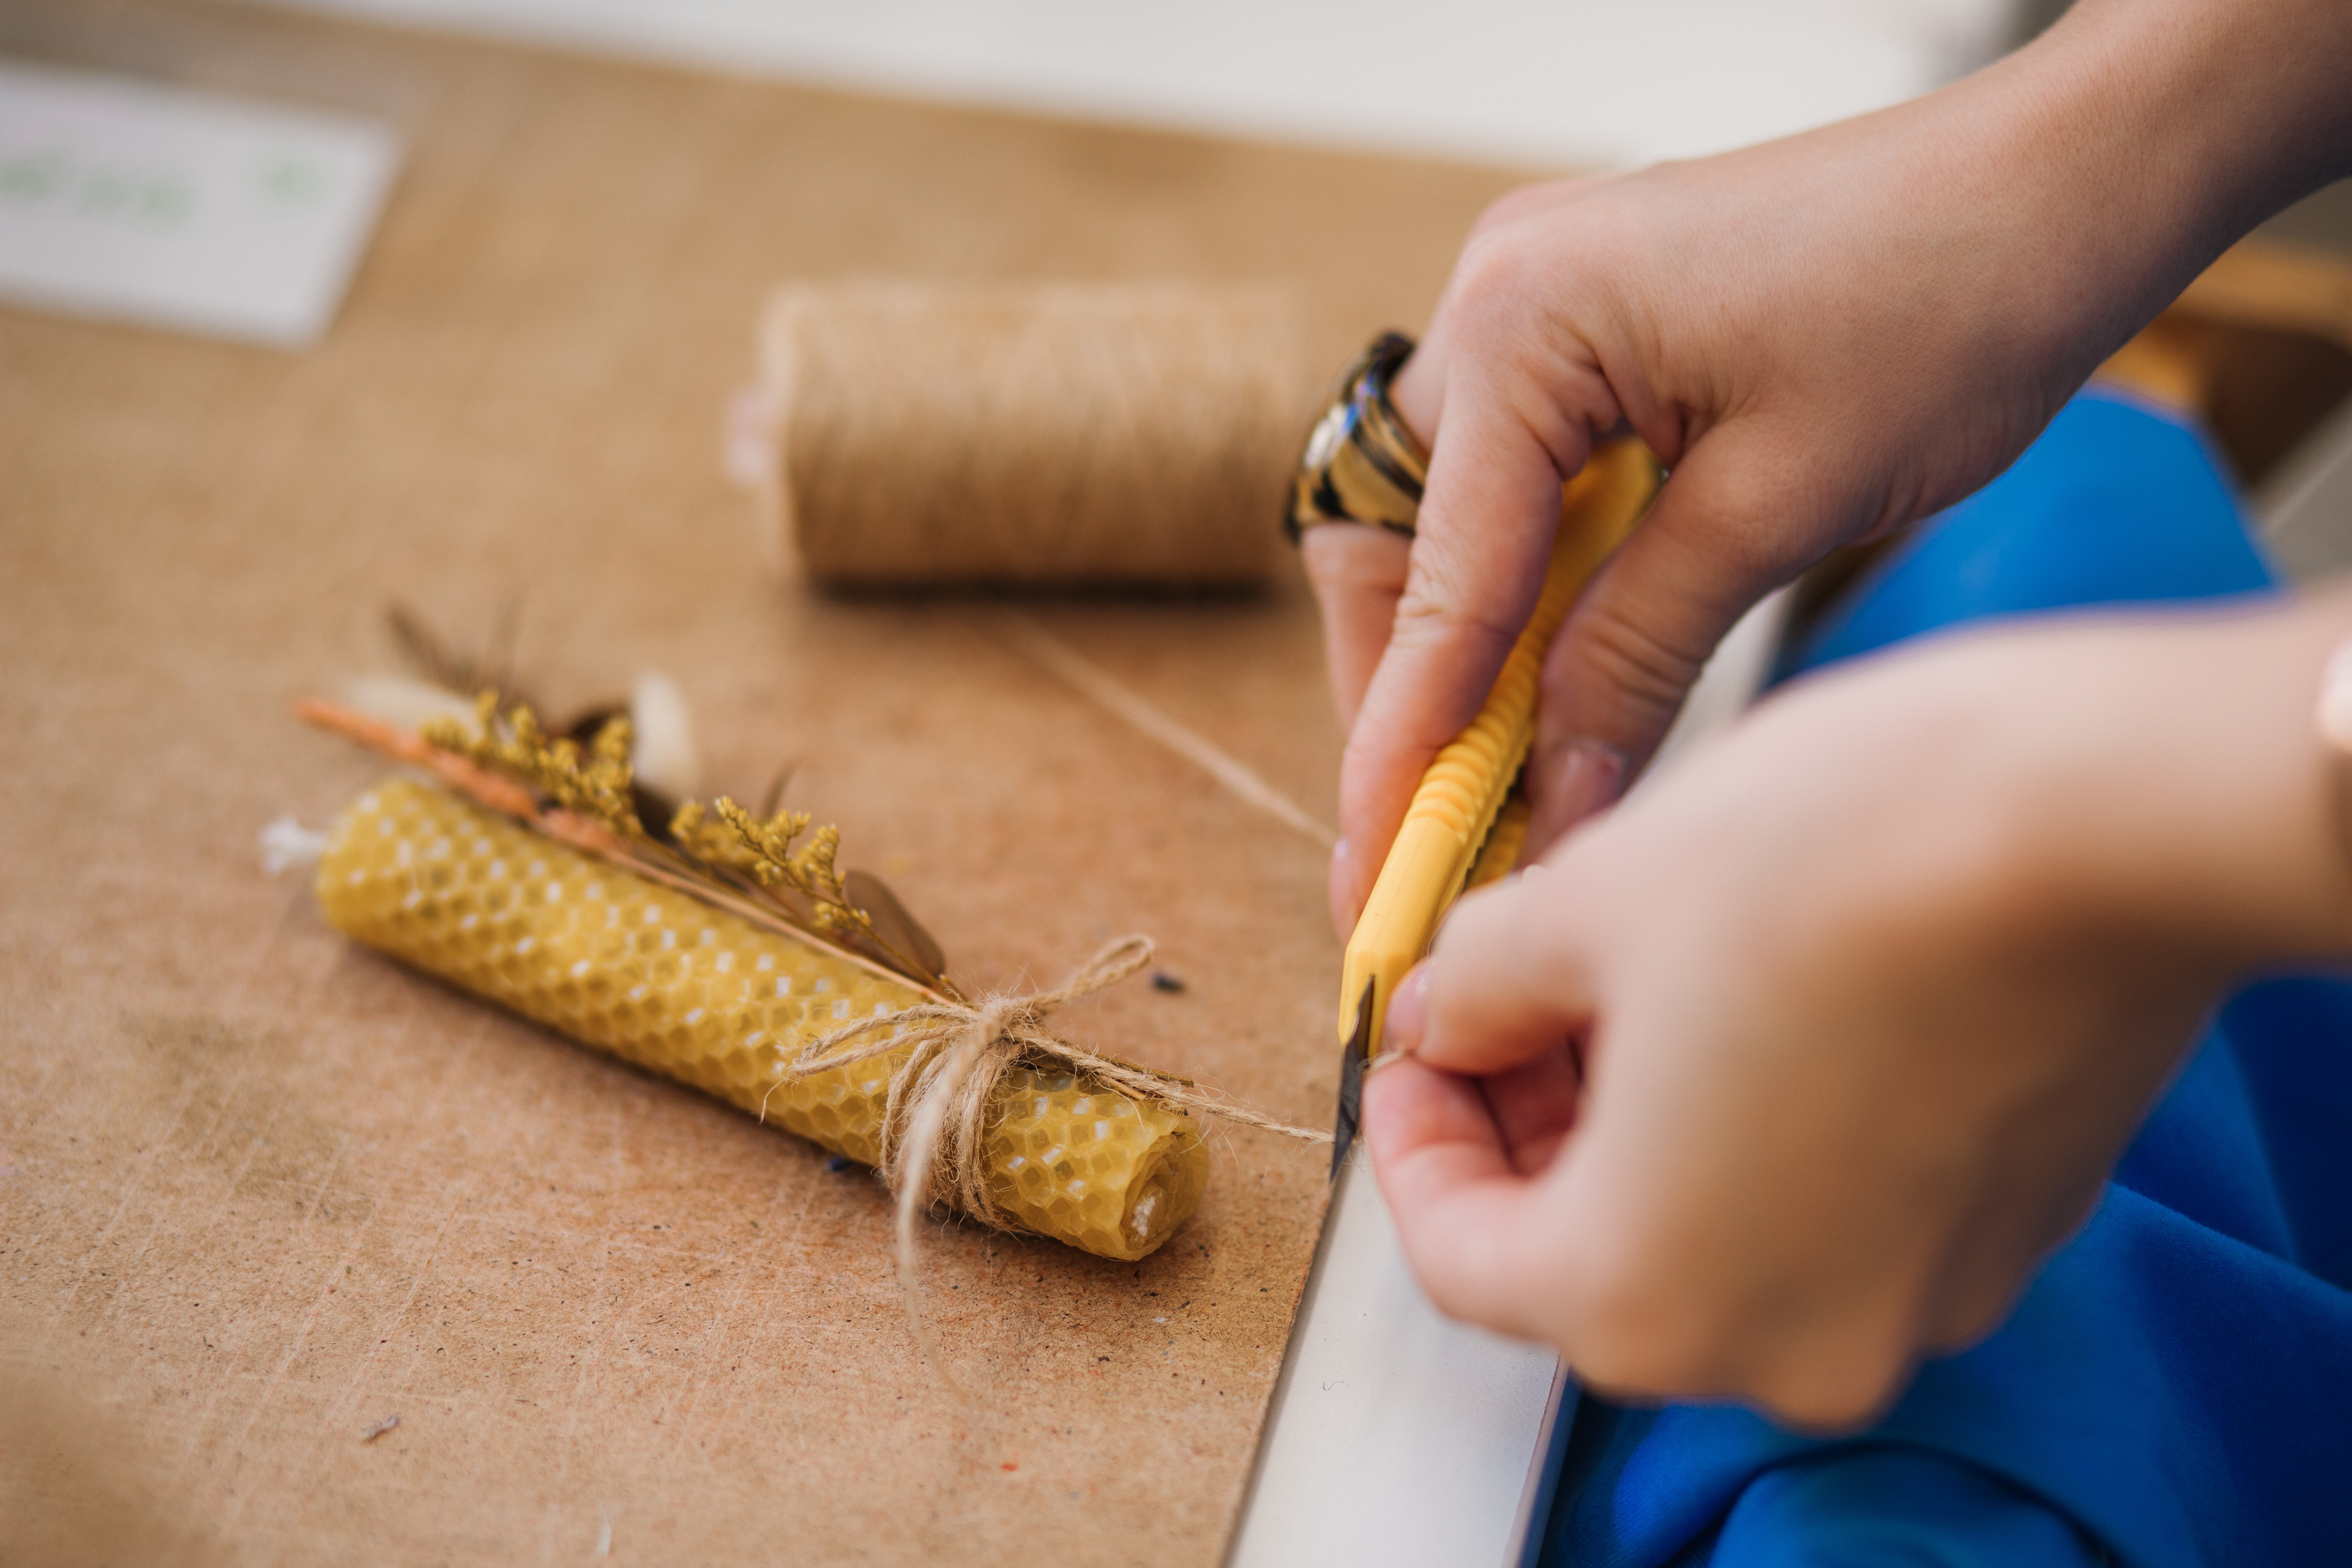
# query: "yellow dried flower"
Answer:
x=514 y=744
x=510 y=743
x=811 y=867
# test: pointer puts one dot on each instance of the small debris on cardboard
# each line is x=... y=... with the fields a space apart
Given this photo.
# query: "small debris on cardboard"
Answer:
x=380 y=1427
x=1163 y=981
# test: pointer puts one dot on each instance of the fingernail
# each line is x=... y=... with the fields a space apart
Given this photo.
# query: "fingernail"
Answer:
x=1592 y=777
x=1407 y=1016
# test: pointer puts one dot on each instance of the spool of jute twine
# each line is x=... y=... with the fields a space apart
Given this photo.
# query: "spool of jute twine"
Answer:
x=1049 y=435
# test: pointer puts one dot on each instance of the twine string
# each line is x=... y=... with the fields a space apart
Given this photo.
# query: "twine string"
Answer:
x=935 y=1118
x=929 y=432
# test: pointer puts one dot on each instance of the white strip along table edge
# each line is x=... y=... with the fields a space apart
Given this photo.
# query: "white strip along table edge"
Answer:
x=1397 y=1437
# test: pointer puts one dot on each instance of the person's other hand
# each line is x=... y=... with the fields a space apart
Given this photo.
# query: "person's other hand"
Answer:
x=1791 y=1069
x=1823 y=338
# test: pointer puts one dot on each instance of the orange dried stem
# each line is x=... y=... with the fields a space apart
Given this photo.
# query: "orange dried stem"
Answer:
x=468 y=778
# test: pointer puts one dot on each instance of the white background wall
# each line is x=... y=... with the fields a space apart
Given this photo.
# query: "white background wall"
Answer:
x=1544 y=83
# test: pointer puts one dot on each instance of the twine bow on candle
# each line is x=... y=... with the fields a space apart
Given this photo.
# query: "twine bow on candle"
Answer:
x=935 y=1117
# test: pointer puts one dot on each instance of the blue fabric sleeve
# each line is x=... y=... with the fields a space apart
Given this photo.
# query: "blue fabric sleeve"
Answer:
x=2116 y=504
x=1890 y=1505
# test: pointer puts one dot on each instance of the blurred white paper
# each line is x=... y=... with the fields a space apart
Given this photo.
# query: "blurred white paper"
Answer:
x=222 y=215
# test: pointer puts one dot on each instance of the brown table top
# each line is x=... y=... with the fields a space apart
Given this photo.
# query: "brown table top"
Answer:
x=259 y=1189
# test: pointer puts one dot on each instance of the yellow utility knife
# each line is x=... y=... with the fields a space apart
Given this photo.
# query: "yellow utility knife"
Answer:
x=1458 y=831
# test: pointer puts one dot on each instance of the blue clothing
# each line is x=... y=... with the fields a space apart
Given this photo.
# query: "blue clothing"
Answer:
x=2175 y=1389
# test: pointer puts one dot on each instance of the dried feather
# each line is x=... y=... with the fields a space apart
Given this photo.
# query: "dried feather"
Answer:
x=665 y=758
x=427 y=654
x=406 y=701
x=430 y=655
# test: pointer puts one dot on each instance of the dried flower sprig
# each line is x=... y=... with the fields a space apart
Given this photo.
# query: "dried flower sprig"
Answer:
x=513 y=742
x=762 y=852
x=588 y=799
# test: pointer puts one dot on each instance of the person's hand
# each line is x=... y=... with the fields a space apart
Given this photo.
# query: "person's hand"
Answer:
x=1823 y=338
x=1791 y=1068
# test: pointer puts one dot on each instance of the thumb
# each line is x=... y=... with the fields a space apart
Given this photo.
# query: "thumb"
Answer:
x=1476 y=566
x=1734 y=520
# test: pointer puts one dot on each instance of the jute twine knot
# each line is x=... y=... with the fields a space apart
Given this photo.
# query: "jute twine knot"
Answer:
x=935 y=1118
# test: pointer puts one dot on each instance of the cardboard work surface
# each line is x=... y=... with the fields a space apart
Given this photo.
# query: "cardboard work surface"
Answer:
x=260 y=1190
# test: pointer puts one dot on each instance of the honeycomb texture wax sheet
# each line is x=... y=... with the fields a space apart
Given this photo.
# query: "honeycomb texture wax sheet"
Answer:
x=682 y=989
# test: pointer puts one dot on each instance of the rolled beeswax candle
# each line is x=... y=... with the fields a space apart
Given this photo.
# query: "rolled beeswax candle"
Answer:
x=680 y=988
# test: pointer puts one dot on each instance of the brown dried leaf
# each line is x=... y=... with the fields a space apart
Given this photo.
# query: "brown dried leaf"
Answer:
x=893 y=924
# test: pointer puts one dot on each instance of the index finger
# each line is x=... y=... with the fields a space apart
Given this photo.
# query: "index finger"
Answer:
x=1483 y=539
